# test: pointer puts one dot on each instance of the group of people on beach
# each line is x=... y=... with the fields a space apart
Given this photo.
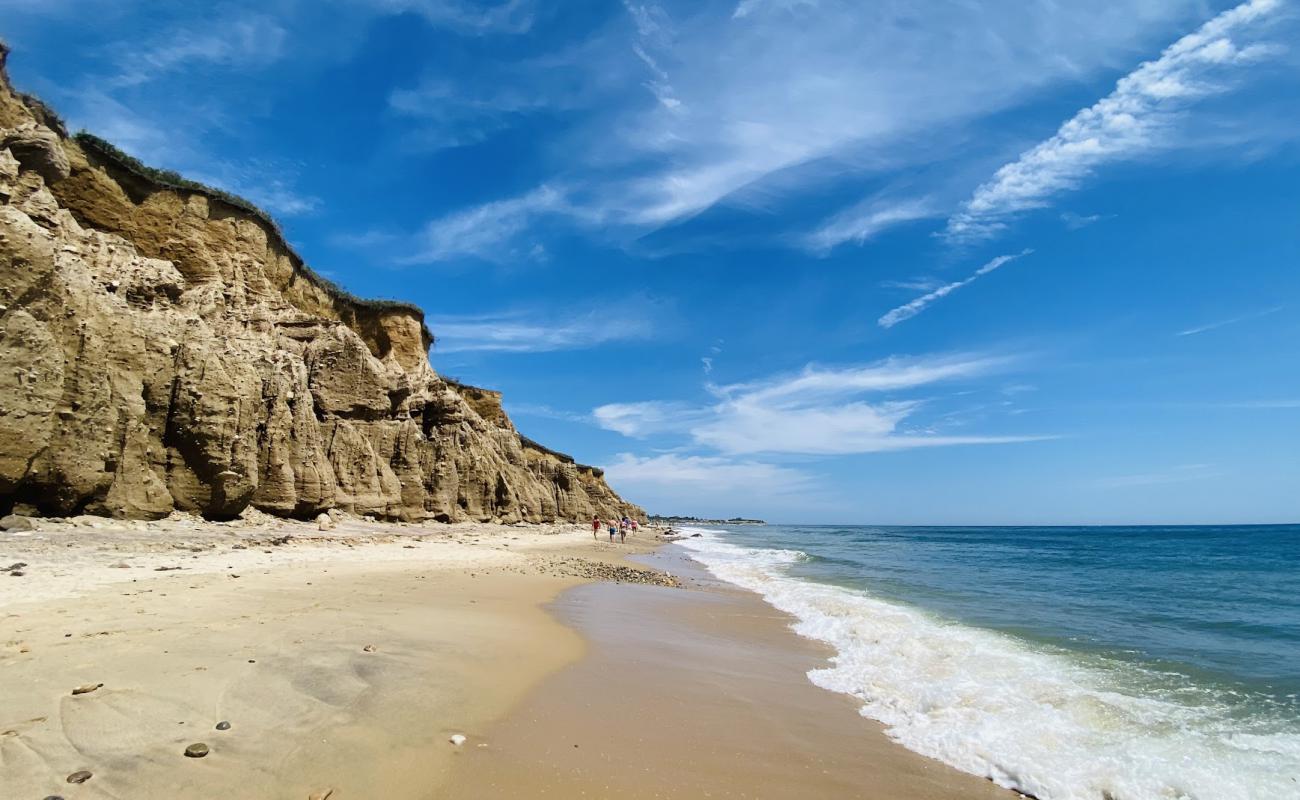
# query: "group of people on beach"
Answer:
x=617 y=527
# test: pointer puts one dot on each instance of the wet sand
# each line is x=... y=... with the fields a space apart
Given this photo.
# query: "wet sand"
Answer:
x=697 y=692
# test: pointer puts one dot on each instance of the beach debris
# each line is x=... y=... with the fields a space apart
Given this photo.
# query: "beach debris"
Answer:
x=370 y=648
x=223 y=726
x=323 y=794
x=120 y=565
x=457 y=739
x=80 y=776
x=16 y=522
x=86 y=688
x=196 y=750
x=166 y=569
x=53 y=797
x=17 y=565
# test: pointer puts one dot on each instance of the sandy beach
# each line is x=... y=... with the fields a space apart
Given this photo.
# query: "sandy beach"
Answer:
x=341 y=663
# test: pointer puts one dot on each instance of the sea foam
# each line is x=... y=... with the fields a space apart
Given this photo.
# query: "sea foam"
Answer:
x=1048 y=723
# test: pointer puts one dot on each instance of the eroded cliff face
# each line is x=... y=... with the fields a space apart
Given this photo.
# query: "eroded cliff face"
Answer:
x=163 y=349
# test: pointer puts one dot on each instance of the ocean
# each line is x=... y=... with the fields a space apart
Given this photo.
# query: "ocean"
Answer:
x=1088 y=663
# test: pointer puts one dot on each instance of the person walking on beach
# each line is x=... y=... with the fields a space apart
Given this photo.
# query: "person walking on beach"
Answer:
x=622 y=530
x=613 y=528
x=595 y=527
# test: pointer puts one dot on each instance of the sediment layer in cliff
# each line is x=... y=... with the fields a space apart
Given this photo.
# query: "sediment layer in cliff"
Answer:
x=162 y=348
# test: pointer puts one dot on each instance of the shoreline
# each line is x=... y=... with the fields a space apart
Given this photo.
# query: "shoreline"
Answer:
x=698 y=691
x=344 y=660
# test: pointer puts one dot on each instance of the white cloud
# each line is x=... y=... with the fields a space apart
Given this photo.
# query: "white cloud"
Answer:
x=709 y=476
x=1075 y=221
x=818 y=411
x=453 y=113
x=783 y=96
x=867 y=220
x=251 y=40
x=523 y=332
x=746 y=7
x=909 y=310
x=1230 y=321
x=492 y=231
x=1139 y=117
x=637 y=420
x=466 y=16
x=913 y=284
x=707 y=363
x=849 y=79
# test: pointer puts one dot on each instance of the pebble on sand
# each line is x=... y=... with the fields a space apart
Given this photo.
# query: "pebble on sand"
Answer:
x=86 y=688
x=223 y=726
x=370 y=648
x=323 y=794
x=197 y=750
x=80 y=776
x=457 y=739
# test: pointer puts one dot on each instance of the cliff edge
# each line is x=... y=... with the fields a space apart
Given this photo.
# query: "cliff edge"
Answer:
x=162 y=348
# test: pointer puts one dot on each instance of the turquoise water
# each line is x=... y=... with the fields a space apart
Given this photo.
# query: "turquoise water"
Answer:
x=1088 y=662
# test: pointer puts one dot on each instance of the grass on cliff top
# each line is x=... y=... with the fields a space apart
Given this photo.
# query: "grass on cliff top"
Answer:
x=173 y=180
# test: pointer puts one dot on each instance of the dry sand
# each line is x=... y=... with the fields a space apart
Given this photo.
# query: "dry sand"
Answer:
x=342 y=660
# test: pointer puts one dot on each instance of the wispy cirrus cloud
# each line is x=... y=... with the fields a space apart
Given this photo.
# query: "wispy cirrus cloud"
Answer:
x=640 y=419
x=866 y=220
x=909 y=310
x=495 y=231
x=1223 y=323
x=737 y=108
x=676 y=480
x=532 y=332
x=818 y=411
x=1140 y=117
x=246 y=41
x=466 y=16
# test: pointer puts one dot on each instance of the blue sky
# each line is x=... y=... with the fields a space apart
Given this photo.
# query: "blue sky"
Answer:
x=812 y=260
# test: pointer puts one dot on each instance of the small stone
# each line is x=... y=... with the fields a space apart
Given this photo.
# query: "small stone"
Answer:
x=457 y=739
x=120 y=565
x=196 y=750
x=86 y=688
x=323 y=521
x=323 y=794
x=53 y=797
x=370 y=648
x=223 y=726
x=80 y=776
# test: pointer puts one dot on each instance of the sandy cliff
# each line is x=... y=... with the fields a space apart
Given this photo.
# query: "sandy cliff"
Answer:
x=162 y=347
